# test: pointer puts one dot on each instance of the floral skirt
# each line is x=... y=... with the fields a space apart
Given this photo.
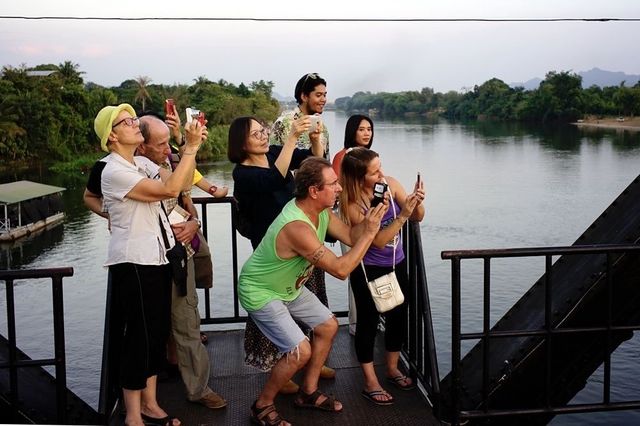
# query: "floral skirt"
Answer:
x=259 y=351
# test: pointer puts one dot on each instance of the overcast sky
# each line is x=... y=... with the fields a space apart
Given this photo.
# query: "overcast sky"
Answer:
x=353 y=56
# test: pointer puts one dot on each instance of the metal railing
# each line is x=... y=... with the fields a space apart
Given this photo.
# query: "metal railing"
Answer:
x=545 y=333
x=420 y=351
x=59 y=360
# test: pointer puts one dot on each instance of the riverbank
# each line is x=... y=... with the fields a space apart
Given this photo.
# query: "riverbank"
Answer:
x=631 y=124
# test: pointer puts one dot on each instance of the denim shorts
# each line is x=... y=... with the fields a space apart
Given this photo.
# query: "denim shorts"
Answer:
x=277 y=318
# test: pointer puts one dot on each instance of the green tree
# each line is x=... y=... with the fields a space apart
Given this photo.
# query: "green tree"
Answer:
x=142 y=93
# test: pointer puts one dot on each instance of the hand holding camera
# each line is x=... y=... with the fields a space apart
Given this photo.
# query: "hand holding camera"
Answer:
x=298 y=127
x=195 y=131
x=173 y=120
x=379 y=189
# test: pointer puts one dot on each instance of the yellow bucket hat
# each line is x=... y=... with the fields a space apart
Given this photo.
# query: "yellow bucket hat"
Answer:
x=104 y=121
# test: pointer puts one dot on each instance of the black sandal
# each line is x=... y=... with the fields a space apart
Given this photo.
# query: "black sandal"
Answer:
x=304 y=400
x=260 y=416
x=156 y=421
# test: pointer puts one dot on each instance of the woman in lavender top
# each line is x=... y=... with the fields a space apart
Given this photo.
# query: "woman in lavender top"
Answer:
x=361 y=170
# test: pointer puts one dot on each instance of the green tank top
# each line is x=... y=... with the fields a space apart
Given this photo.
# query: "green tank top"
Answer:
x=266 y=276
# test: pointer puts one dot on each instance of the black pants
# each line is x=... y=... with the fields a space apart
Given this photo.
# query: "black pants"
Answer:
x=368 y=316
x=142 y=313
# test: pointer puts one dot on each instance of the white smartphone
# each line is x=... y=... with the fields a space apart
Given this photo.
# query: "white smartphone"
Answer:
x=315 y=119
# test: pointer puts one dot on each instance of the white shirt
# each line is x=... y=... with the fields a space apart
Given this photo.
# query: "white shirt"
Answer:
x=135 y=230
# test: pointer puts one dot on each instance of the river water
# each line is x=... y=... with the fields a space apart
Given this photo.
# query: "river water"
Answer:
x=488 y=186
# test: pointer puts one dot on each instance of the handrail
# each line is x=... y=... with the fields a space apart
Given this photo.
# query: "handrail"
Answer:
x=420 y=352
x=549 y=329
x=59 y=361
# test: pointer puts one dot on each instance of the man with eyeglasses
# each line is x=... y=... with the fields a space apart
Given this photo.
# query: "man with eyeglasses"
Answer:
x=272 y=287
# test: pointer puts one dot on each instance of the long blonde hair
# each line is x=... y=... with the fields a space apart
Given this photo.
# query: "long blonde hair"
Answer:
x=354 y=169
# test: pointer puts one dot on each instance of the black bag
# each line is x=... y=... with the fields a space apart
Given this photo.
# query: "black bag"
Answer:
x=177 y=258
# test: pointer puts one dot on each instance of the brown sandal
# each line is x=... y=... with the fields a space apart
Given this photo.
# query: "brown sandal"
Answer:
x=304 y=400
x=260 y=416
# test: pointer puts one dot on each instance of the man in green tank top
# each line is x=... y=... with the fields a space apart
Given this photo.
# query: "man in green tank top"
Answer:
x=271 y=285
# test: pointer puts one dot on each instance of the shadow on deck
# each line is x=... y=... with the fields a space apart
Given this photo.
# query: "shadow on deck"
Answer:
x=240 y=384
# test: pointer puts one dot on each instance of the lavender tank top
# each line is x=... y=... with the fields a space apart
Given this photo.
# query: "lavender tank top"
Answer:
x=384 y=256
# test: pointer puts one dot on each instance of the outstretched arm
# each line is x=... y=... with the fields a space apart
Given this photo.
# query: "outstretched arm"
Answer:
x=299 y=239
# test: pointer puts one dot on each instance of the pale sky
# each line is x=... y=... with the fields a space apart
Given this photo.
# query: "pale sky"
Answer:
x=352 y=56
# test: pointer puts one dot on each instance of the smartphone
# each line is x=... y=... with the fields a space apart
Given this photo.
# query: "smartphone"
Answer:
x=195 y=114
x=378 y=193
x=418 y=178
x=315 y=119
x=169 y=106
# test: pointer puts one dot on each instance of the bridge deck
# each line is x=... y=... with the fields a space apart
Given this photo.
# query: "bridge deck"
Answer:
x=240 y=384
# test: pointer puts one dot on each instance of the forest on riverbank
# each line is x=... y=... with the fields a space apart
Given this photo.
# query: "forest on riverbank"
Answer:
x=559 y=98
x=47 y=112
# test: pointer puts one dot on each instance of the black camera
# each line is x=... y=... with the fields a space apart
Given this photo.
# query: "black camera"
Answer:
x=378 y=193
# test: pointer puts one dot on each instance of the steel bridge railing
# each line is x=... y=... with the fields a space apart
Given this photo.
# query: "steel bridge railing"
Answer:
x=457 y=414
x=59 y=360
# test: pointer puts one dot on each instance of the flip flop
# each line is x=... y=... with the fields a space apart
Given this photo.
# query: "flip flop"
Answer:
x=399 y=382
x=371 y=397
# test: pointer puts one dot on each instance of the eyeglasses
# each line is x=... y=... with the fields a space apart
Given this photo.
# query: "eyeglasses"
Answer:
x=128 y=121
x=259 y=134
x=332 y=184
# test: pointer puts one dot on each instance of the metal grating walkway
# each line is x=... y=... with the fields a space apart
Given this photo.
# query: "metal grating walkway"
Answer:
x=240 y=385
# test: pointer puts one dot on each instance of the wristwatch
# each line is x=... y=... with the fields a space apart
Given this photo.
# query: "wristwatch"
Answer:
x=198 y=221
x=212 y=189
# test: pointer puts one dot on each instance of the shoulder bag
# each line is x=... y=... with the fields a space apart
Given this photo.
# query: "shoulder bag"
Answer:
x=385 y=290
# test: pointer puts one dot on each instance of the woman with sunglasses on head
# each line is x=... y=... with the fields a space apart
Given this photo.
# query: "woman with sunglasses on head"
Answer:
x=357 y=132
x=132 y=190
x=361 y=170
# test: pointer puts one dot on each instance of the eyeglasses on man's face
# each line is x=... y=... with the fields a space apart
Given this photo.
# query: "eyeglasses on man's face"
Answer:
x=129 y=121
x=332 y=184
x=259 y=134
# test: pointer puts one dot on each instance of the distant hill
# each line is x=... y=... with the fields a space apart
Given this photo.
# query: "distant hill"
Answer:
x=283 y=99
x=594 y=76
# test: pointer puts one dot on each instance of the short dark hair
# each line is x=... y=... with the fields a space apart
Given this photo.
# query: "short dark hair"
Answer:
x=352 y=127
x=309 y=174
x=238 y=136
x=306 y=85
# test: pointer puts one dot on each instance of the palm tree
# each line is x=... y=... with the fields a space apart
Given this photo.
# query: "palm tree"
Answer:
x=142 y=94
x=69 y=72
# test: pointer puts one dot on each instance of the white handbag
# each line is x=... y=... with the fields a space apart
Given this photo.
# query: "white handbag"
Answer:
x=385 y=290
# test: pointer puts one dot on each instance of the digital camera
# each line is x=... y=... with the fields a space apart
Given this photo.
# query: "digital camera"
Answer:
x=378 y=193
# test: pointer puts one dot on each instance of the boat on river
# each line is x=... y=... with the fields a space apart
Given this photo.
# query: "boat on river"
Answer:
x=28 y=207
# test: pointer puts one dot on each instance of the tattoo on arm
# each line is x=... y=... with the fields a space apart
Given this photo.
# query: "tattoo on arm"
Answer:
x=315 y=257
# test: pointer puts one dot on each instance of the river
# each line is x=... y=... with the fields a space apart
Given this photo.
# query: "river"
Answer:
x=488 y=186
